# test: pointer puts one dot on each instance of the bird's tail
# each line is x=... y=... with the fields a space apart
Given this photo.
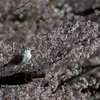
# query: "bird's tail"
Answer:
x=5 y=65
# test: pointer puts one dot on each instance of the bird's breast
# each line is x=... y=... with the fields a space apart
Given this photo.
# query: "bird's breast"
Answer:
x=26 y=58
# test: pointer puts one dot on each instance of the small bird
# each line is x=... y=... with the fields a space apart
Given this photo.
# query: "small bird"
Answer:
x=20 y=59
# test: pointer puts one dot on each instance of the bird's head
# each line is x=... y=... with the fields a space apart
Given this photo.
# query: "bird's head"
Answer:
x=27 y=49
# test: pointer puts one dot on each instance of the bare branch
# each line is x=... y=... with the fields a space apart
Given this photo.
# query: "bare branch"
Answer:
x=15 y=9
x=21 y=78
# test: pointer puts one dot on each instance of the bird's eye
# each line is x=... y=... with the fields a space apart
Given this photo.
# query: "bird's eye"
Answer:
x=28 y=48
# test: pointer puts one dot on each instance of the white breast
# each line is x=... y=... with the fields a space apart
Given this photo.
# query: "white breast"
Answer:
x=26 y=58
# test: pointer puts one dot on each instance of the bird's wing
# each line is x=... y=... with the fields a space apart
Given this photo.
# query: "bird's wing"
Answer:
x=17 y=59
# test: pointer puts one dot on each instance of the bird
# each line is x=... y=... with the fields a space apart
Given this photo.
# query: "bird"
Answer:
x=20 y=59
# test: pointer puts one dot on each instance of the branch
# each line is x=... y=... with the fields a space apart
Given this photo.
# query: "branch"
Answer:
x=63 y=81
x=91 y=89
x=21 y=78
x=83 y=43
x=87 y=11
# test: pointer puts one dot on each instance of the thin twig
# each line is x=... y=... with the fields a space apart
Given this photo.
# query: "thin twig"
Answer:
x=15 y=9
